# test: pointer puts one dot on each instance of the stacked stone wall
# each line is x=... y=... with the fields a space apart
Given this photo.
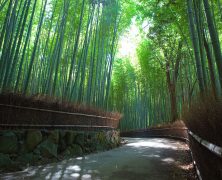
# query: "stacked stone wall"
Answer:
x=21 y=148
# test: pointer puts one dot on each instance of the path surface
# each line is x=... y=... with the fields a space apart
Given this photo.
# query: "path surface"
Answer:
x=141 y=158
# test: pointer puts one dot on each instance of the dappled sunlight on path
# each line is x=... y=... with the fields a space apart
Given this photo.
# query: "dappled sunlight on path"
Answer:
x=140 y=158
x=158 y=143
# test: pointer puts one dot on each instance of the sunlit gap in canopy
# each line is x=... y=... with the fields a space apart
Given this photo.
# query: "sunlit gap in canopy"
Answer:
x=130 y=40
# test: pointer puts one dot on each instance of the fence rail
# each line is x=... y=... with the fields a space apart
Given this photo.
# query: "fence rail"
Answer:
x=58 y=112
x=12 y=117
x=210 y=146
x=156 y=129
x=174 y=132
x=52 y=127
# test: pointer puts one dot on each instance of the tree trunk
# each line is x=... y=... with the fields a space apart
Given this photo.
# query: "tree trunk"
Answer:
x=172 y=90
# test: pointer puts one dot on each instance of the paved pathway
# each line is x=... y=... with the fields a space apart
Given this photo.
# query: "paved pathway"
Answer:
x=141 y=158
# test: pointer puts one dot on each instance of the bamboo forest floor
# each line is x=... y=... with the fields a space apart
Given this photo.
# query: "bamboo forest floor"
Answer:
x=140 y=158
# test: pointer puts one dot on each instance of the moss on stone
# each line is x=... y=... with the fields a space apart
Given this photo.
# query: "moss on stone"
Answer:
x=8 y=143
x=33 y=138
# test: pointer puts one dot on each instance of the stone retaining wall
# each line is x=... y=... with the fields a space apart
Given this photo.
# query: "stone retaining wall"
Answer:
x=33 y=147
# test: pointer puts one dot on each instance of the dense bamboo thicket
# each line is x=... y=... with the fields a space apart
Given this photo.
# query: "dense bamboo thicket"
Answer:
x=67 y=49
x=178 y=58
x=58 y=48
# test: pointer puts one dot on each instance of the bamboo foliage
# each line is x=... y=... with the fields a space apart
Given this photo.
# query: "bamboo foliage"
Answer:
x=206 y=43
x=194 y=37
x=181 y=73
x=59 y=48
x=214 y=38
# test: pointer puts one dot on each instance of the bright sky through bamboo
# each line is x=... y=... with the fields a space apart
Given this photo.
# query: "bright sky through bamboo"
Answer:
x=129 y=42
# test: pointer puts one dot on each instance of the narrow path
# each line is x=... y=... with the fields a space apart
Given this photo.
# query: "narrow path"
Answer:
x=141 y=158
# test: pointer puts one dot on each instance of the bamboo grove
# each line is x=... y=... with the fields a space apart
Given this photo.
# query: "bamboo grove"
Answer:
x=58 y=48
x=179 y=59
x=68 y=49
